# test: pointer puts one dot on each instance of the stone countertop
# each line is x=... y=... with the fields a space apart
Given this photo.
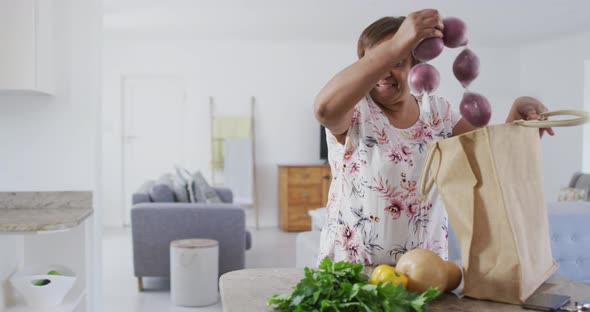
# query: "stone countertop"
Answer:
x=248 y=290
x=43 y=211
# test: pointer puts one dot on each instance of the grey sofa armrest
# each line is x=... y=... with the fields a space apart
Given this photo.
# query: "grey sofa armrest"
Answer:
x=226 y=195
x=140 y=197
x=155 y=225
x=248 y=240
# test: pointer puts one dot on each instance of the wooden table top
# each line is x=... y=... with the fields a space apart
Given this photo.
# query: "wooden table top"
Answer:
x=248 y=290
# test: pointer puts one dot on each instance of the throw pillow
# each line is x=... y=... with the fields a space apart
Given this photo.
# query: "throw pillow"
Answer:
x=204 y=190
x=187 y=179
x=181 y=190
x=572 y=194
x=142 y=195
x=161 y=193
x=198 y=192
x=178 y=186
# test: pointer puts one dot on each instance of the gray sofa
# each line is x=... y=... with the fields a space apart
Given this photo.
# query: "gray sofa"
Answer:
x=155 y=224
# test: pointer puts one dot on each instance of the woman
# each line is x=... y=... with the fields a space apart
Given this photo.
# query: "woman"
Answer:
x=377 y=137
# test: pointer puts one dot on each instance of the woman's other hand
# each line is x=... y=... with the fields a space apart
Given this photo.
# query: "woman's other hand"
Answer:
x=528 y=108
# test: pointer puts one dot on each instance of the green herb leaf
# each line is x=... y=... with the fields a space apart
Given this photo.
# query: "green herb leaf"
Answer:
x=342 y=287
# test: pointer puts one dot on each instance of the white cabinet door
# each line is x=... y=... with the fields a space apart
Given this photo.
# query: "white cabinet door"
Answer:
x=44 y=80
x=26 y=53
x=17 y=34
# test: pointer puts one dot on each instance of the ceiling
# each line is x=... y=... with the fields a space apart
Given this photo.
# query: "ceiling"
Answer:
x=499 y=22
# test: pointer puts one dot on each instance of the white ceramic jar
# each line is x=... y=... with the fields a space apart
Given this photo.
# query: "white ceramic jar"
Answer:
x=194 y=270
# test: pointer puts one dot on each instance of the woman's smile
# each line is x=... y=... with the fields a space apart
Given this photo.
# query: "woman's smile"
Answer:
x=388 y=85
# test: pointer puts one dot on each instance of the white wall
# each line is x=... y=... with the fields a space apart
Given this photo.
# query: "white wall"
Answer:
x=554 y=71
x=285 y=78
x=586 y=136
x=49 y=143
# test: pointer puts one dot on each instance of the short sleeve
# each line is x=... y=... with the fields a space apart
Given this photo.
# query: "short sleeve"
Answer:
x=336 y=150
x=449 y=114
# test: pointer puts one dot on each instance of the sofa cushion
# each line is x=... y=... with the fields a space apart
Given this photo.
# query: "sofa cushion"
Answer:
x=572 y=194
x=202 y=189
x=581 y=181
x=568 y=229
x=142 y=195
x=178 y=186
x=161 y=193
x=225 y=194
x=185 y=176
x=180 y=190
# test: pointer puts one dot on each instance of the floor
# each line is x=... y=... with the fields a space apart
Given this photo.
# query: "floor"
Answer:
x=271 y=248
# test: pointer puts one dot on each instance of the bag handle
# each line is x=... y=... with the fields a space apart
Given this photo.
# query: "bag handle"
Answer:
x=426 y=179
x=544 y=122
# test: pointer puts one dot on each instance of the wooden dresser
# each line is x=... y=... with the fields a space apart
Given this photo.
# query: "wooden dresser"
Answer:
x=301 y=188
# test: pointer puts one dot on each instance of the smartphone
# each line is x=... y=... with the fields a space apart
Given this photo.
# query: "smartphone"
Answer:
x=546 y=302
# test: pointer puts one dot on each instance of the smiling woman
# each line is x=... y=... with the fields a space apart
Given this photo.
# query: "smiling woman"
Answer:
x=377 y=146
x=377 y=134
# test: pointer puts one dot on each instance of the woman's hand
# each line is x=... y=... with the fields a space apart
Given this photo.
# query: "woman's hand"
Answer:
x=418 y=26
x=528 y=108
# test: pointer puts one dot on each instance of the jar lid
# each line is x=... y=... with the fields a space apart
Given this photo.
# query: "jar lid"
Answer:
x=194 y=243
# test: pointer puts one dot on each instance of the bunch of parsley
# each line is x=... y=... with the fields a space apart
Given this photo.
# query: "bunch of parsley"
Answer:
x=341 y=286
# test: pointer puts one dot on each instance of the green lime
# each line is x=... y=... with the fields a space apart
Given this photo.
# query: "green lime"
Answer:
x=53 y=273
x=41 y=282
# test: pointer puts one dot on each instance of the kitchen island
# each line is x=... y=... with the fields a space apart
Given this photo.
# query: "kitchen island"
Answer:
x=248 y=290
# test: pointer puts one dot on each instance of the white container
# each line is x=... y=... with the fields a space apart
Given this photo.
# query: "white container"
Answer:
x=318 y=218
x=194 y=270
x=49 y=295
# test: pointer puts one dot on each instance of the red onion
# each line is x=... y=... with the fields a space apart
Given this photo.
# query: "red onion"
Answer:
x=454 y=32
x=428 y=49
x=466 y=67
x=476 y=109
x=423 y=78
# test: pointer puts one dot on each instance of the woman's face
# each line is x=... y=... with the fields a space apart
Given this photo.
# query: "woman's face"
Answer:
x=393 y=87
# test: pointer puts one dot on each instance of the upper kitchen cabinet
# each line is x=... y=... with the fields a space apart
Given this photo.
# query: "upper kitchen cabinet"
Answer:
x=26 y=54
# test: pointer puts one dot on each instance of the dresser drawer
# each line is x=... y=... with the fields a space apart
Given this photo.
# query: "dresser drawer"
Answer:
x=301 y=188
x=305 y=195
x=305 y=176
x=299 y=218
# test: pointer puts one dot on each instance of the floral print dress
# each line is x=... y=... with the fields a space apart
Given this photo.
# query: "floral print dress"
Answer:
x=374 y=211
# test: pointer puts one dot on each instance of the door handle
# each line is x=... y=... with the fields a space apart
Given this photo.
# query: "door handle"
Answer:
x=131 y=138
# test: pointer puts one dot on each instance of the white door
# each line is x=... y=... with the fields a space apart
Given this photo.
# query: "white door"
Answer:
x=586 y=135
x=153 y=130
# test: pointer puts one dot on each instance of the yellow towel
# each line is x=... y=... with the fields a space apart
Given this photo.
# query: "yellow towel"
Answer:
x=232 y=127
x=226 y=127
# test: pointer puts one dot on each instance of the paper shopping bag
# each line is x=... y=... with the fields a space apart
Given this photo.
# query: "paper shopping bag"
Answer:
x=491 y=182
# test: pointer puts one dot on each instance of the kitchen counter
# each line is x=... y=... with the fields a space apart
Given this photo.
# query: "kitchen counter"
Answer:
x=43 y=211
x=248 y=290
